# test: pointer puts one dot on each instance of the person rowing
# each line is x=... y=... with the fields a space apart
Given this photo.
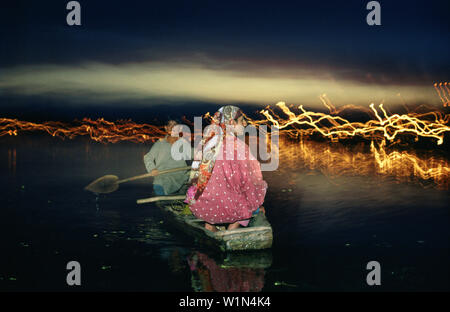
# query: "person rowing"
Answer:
x=160 y=158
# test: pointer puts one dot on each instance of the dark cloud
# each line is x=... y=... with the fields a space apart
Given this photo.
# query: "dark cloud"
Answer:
x=287 y=39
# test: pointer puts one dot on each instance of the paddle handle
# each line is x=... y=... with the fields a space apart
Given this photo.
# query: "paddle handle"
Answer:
x=145 y=175
x=158 y=198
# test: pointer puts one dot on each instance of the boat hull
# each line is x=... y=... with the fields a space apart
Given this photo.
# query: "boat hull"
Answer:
x=256 y=236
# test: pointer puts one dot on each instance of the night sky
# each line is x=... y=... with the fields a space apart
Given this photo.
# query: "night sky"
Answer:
x=143 y=54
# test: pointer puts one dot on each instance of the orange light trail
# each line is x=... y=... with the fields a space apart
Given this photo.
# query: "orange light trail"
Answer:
x=432 y=124
x=448 y=92
x=381 y=127
x=442 y=92
x=99 y=130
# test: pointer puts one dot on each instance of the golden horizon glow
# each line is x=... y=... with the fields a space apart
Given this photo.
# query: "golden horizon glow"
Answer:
x=97 y=82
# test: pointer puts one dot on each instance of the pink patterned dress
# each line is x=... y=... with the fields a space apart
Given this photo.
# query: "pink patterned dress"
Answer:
x=235 y=188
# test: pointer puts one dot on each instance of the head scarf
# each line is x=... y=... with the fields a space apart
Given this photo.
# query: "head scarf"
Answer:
x=212 y=142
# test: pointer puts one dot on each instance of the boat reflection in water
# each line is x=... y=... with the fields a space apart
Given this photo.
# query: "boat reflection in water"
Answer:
x=243 y=272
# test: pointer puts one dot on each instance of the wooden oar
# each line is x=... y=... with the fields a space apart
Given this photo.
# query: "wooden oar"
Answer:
x=158 y=198
x=110 y=183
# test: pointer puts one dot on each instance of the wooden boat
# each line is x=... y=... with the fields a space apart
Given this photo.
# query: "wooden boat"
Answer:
x=257 y=235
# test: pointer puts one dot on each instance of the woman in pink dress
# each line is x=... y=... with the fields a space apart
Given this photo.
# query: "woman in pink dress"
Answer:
x=226 y=181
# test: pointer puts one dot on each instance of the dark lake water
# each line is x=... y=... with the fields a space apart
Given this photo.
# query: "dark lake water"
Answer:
x=326 y=229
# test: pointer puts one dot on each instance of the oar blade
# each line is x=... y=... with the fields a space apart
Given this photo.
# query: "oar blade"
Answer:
x=104 y=185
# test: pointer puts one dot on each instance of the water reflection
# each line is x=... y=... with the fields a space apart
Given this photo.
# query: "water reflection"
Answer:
x=336 y=159
x=148 y=230
x=235 y=272
x=323 y=234
x=12 y=161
